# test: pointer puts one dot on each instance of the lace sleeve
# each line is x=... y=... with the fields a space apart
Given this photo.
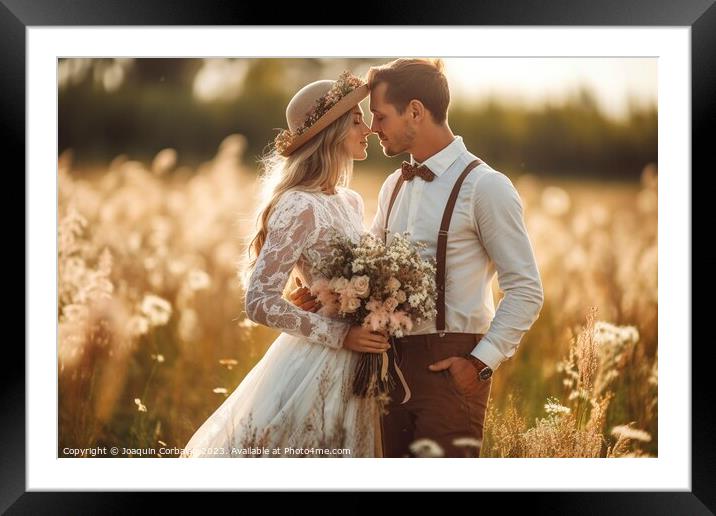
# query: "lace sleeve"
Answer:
x=291 y=228
x=357 y=203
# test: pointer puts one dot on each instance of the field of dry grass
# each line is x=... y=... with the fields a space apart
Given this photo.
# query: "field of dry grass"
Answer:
x=152 y=334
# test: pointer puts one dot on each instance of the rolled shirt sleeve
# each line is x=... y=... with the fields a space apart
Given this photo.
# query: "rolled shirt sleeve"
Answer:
x=499 y=222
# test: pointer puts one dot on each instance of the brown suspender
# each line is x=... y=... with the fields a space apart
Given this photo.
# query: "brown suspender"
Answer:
x=442 y=246
x=441 y=252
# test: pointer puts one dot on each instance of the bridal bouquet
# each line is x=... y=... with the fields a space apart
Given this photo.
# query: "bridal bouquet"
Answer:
x=385 y=288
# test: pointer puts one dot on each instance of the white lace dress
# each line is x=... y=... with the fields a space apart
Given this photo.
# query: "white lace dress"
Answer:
x=297 y=400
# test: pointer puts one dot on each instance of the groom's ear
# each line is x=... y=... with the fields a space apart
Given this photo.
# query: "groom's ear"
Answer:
x=416 y=109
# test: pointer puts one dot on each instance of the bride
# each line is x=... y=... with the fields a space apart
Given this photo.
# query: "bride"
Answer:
x=297 y=400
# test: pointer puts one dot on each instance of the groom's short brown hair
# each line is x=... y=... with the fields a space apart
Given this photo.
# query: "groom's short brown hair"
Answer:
x=414 y=78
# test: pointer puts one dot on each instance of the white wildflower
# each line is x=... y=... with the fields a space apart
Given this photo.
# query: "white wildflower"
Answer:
x=467 y=441
x=553 y=406
x=426 y=448
x=157 y=310
x=198 y=280
x=140 y=406
x=228 y=362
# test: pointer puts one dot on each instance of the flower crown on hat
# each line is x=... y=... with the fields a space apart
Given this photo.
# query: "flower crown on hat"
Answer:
x=346 y=83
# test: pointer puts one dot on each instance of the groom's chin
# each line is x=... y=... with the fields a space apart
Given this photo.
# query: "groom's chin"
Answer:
x=388 y=152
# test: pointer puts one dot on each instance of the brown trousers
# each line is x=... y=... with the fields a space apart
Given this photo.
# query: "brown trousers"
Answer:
x=438 y=408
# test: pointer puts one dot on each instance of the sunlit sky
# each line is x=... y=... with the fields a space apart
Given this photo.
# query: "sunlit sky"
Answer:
x=532 y=80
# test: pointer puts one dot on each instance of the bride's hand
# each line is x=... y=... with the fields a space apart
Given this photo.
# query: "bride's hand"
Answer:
x=364 y=340
x=302 y=298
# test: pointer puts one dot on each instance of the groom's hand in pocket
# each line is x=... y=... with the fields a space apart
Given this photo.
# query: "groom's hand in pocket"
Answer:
x=302 y=298
x=461 y=370
x=364 y=340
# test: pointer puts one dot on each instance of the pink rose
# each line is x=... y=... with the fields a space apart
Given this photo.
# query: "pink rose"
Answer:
x=401 y=296
x=390 y=304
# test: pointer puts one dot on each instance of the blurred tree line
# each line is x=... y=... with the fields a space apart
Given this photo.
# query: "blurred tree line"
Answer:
x=138 y=107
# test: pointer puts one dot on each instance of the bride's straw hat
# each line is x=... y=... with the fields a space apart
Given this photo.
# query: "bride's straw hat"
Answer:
x=316 y=106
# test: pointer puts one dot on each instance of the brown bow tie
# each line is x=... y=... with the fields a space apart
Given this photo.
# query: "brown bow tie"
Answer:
x=410 y=171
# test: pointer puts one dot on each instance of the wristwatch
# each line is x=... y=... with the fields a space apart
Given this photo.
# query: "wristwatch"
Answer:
x=484 y=372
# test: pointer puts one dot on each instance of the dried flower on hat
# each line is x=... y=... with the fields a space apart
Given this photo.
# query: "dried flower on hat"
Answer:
x=346 y=83
x=283 y=140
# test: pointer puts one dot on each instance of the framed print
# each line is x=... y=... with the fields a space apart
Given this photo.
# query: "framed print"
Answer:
x=151 y=133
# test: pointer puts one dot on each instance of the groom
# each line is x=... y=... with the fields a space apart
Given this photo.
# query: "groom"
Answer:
x=470 y=215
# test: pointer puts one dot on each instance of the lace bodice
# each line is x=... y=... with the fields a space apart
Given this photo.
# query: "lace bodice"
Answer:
x=298 y=232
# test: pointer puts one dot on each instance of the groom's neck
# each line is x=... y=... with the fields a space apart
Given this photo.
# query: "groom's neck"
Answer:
x=430 y=141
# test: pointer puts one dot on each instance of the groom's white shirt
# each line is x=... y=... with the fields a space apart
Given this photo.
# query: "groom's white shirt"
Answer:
x=487 y=236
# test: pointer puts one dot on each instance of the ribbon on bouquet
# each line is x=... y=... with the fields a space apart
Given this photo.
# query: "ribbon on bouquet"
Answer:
x=373 y=375
x=384 y=372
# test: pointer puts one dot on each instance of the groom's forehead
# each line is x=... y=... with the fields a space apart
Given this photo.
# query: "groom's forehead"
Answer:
x=377 y=97
x=378 y=106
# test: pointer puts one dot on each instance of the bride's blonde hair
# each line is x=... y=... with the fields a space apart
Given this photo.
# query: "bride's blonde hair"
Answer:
x=324 y=161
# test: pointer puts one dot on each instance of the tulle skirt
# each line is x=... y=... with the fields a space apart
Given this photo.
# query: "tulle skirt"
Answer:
x=296 y=402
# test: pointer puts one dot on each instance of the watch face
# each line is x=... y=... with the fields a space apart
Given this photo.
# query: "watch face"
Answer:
x=485 y=373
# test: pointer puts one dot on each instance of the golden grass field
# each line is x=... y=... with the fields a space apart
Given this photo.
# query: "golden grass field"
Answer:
x=152 y=335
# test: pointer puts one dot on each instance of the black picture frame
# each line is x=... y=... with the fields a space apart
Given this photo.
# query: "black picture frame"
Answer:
x=700 y=15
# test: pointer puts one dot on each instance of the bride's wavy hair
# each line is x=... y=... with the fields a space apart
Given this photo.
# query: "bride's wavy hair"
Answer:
x=323 y=161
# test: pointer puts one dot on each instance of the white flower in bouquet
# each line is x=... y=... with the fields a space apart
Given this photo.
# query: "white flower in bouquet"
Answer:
x=339 y=284
x=361 y=286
